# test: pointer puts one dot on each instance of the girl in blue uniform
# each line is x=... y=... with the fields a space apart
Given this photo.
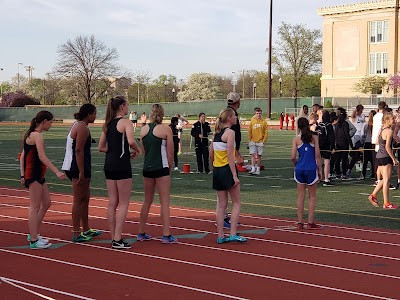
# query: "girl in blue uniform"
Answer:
x=307 y=171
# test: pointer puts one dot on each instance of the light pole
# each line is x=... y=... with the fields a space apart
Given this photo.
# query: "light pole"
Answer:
x=173 y=94
x=18 y=76
x=165 y=90
x=280 y=87
x=254 y=90
x=269 y=61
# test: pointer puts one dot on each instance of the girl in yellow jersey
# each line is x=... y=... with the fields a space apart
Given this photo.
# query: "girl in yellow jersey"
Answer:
x=225 y=179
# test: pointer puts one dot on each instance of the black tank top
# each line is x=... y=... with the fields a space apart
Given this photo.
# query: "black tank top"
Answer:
x=117 y=156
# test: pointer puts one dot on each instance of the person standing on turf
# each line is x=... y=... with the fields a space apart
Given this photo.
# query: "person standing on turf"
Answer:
x=307 y=171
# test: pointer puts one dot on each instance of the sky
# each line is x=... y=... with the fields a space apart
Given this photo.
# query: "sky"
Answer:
x=177 y=37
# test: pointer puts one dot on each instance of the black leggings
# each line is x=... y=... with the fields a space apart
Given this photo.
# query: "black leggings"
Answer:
x=341 y=156
x=368 y=158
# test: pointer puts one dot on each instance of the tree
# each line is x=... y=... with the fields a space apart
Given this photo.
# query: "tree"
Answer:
x=88 y=60
x=200 y=86
x=371 y=85
x=394 y=82
x=17 y=99
x=298 y=52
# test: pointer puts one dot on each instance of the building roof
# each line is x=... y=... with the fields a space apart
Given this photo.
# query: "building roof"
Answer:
x=356 y=7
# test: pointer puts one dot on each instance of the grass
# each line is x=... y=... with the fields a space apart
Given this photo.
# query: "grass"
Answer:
x=271 y=194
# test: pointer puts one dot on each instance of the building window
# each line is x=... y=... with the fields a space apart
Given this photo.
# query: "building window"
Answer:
x=378 y=63
x=378 y=31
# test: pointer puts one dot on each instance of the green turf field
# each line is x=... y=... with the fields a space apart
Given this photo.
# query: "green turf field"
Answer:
x=271 y=194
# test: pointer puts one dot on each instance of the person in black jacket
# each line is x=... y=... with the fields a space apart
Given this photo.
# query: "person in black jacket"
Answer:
x=326 y=138
x=176 y=139
x=200 y=131
x=342 y=142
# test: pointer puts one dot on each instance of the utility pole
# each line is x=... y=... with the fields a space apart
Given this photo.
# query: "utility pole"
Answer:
x=30 y=70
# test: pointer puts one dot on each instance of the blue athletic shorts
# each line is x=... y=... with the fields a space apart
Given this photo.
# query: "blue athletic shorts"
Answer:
x=308 y=177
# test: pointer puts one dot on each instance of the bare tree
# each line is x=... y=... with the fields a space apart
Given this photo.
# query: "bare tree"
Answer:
x=298 y=52
x=89 y=60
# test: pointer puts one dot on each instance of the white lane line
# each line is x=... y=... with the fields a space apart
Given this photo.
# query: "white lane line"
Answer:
x=195 y=264
x=27 y=290
x=254 y=254
x=19 y=284
x=123 y=274
x=251 y=204
x=276 y=229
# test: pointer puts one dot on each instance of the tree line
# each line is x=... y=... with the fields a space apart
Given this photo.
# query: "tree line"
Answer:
x=87 y=70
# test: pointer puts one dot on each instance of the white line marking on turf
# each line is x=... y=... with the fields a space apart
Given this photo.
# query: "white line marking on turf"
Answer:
x=190 y=263
x=18 y=284
x=276 y=186
x=333 y=191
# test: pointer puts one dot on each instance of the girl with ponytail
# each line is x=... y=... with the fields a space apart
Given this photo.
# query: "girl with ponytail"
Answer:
x=158 y=150
x=119 y=144
x=307 y=171
x=225 y=178
x=33 y=164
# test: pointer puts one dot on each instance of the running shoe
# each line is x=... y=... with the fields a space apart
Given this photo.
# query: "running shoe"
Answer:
x=39 y=244
x=392 y=187
x=223 y=240
x=313 y=226
x=81 y=238
x=143 y=237
x=39 y=238
x=390 y=206
x=300 y=225
x=121 y=244
x=227 y=223
x=169 y=239
x=372 y=199
x=93 y=232
x=328 y=183
x=176 y=169
x=237 y=238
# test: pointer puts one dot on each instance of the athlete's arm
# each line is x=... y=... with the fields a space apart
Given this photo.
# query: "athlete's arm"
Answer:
x=103 y=143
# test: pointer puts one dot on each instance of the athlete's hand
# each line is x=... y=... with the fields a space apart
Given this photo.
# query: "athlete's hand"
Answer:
x=23 y=181
x=61 y=175
x=134 y=154
x=236 y=179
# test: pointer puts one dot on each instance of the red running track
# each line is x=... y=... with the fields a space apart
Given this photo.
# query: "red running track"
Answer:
x=336 y=262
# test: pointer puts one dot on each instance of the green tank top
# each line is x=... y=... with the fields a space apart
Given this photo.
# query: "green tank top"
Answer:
x=155 y=148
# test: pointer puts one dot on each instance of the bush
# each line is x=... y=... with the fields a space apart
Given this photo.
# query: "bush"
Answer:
x=328 y=104
x=18 y=99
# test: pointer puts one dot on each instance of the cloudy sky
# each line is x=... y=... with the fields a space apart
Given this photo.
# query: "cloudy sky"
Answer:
x=177 y=37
